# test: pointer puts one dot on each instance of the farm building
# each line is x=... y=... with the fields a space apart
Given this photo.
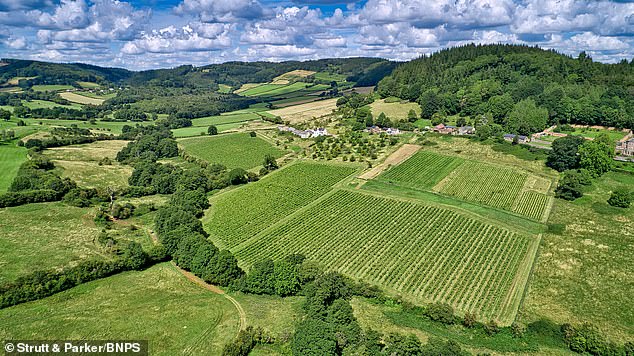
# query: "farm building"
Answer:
x=520 y=138
x=444 y=129
x=305 y=133
x=378 y=130
x=466 y=130
x=625 y=148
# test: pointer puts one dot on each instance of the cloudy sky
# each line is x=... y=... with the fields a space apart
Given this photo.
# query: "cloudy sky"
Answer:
x=141 y=34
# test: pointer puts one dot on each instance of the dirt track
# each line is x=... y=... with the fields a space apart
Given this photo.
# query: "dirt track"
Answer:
x=400 y=155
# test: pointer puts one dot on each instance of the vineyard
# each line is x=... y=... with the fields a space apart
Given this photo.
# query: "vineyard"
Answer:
x=532 y=204
x=485 y=184
x=238 y=215
x=424 y=253
x=423 y=170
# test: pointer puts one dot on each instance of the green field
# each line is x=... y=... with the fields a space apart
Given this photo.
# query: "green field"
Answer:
x=586 y=272
x=423 y=170
x=593 y=133
x=395 y=110
x=81 y=164
x=11 y=157
x=202 y=130
x=43 y=104
x=43 y=236
x=113 y=127
x=231 y=150
x=53 y=87
x=88 y=85
x=228 y=118
x=419 y=251
x=224 y=88
x=261 y=89
x=237 y=215
x=158 y=304
x=330 y=76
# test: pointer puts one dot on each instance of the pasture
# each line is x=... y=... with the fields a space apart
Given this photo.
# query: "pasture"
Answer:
x=232 y=150
x=394 y=110
x=192 y=131
x=306 y=112
x=422 y=252
x=585 y=270
x=237 y=215
x=11 y=157
x=88 y=85
x=228 y=118
x=158 y=304
x=43 y=236
x=81 y=164
x=52 y=87
x=113 y=127
x=44 y=104
x=292 y=75
x=81 y=99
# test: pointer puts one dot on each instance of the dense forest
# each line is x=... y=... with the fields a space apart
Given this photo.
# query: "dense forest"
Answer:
x=522 y=88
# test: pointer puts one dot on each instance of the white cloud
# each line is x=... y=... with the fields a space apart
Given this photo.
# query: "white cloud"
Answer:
x=172 y=39
x=221 y=10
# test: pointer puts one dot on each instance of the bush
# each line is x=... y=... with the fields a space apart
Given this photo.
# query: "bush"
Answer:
x=491 y=327
x=441 y=312
x=28 y=197
x=620 y=199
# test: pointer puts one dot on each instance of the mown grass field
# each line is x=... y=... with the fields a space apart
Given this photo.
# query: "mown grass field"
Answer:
x=420 y=251
x=43 y=236
x=88 y=85
x=52 y=87
x=593 y=133
x=231 y=150
x=394 y=111
x=43 y=104
x=586 y=272
x=11 y=157
x=81 y=99
x=158 y=304
x=306 y=112
x=237 y=215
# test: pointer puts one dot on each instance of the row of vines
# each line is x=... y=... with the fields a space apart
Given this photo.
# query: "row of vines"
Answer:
x=422 y=252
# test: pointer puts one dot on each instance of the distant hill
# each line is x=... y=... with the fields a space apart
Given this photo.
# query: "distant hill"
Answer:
x=514 y=85
x=364 y=71
x=59 y=73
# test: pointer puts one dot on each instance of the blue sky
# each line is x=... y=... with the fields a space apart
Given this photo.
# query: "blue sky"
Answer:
x=142 y=34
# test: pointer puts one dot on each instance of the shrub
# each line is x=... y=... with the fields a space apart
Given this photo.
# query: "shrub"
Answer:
x=620 y=199
x=441 y=312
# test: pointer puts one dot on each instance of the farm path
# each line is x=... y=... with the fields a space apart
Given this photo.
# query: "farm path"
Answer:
x=209 y=287
x=214 y=289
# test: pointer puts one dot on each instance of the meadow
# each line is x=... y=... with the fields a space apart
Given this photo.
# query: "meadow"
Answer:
x=158 y=304
x=44 y=104
x=232 y=150
x=394 y=110
x=11 y=157
x=63 y=234
x=422 y=252
x=192 y=131
x=81 y=164
x=113 y=127
x=52 y=87
x=237 y=215
x=585 y=270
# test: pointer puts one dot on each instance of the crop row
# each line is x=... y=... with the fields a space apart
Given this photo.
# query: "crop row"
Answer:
x=422 y=170
x=423 y=252
x=238 y=215
x=532 y=204
x=486 y=184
